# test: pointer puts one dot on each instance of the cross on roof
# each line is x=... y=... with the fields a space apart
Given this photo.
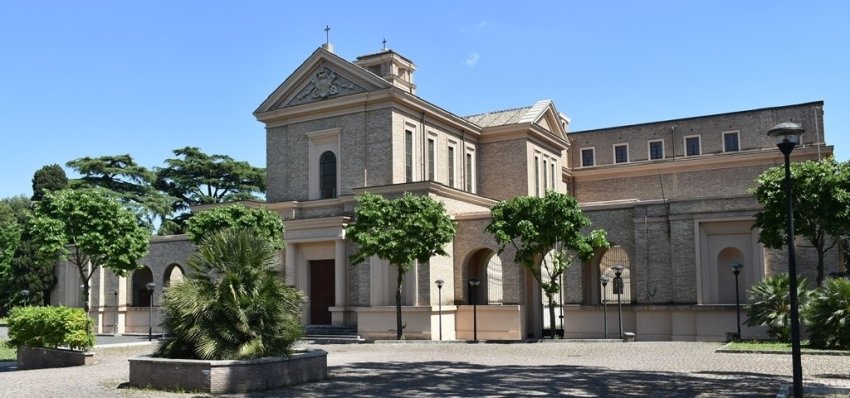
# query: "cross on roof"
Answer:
x=385 y=44
x=327 y=34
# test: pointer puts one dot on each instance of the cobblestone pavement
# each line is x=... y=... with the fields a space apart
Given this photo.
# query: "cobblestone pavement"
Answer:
x=498 y=370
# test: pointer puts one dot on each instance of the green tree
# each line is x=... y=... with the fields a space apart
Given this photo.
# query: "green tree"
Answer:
x=265 y=223
x=827 y=314
x=821 y=200
x=196 y=178
x=536 y=226
x=399 y=231
x=10 y=237
x=48 y=178
x=129 y=182
x=27 y=269
x=100 y=231
x=233 y=306
x=770 y=304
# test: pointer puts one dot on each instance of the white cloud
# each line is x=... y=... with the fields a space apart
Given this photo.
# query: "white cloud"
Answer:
x=472 y=59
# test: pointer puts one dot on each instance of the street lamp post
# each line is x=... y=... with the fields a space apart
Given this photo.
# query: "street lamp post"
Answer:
x=150 y=286
x=25 y=295
x=736 y=269
x=561 y=312
x=439 y=283
x=473 y=285
x=115 y=324
x=604 y=280
x=618 y=285
x=787 y=137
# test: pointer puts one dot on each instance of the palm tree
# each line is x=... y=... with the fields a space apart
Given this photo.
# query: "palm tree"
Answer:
x=233 y=306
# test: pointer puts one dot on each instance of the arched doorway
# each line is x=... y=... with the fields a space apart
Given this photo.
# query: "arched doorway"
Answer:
x=486 y=266
x=613 y=256
x=141 y=295
x=173 y=274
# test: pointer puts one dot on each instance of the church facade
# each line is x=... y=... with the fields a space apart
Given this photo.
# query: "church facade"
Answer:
x=673 y=196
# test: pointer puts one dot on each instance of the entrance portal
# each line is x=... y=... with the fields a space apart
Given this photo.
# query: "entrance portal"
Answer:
x=321 y=291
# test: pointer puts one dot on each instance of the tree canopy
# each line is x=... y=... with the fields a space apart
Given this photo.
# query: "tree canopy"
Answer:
x=26 y=269
x=536 y=226
x=129 y=182
x=197 y=178
x=400 y=231
x=101 y=231
x=821 y=198
x=48 y=178
x=265 y=223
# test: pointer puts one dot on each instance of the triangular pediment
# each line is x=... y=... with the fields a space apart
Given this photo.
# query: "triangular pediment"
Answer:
x=544 y=115
x=323 y=76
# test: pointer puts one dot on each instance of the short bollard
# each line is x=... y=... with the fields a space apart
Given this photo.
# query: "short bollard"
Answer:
x=628 y=337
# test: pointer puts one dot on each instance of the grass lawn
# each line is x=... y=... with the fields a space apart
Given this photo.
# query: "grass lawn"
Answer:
x=7 y=354
x=756 y=345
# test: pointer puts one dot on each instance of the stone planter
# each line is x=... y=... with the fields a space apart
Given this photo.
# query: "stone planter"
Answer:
x=40 y=357
x=219 y=377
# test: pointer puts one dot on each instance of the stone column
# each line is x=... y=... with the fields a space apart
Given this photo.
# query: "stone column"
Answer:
x=340 y=274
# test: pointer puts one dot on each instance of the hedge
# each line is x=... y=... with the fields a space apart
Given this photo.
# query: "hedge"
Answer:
x=51 y=327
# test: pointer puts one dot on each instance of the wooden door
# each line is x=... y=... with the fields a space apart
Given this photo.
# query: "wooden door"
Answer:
x=321 y=291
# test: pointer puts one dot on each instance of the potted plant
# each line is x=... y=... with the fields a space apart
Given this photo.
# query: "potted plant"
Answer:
x=50 y=337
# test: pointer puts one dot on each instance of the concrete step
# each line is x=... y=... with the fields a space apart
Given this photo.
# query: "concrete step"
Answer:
x=334 y=339
x=329 y=330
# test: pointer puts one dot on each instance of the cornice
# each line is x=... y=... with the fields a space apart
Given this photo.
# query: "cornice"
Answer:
x=692 y=163
x=429 y=187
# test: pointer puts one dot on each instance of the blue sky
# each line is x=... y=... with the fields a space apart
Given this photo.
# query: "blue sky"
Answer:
x=98 y=78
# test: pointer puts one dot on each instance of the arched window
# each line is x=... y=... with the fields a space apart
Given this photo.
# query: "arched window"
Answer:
x=616 y=255
x=141 y=294
x=173 y=274
x=327 y=175
x=485 y=265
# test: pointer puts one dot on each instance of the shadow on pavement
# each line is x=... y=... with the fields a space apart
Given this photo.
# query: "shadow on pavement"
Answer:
x=464 y=379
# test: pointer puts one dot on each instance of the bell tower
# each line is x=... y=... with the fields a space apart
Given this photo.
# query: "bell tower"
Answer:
x=391 y=66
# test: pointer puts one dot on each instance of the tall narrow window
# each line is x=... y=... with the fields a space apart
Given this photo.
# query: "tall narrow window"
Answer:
x=621 y=153
x=656 y=150
x=327 y=175
x=469 y=172
x=692 y=146
x=730 y=142
x=451 y=159
x=537 y=175
x=545 y=174
x=553 y=174
x=408 y=156
x=431 y=166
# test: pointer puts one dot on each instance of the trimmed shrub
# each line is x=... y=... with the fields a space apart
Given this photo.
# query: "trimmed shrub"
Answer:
x=770 y=304
x=233 y=305
x=50 y=327
x=828 y=314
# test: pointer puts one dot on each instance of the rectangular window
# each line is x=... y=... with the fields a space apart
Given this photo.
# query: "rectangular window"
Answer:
x=408 y=155
x=692 y=146
x=588 y=157
x=730 y=142
x=545 y=174
x=431 y=166
x=621 y=153
x=656 y=150
x=537 y=175
x=451 y=159
x=469 y=172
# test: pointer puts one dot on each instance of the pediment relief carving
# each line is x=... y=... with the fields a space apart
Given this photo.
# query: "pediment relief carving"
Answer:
x=325 y=83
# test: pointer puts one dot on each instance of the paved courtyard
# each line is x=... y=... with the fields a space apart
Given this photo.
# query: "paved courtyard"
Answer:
x=496 y=370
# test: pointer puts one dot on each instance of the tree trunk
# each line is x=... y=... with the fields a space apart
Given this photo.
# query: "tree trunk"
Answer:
x=400 y=277
x=820 y=266
x=551 y=299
